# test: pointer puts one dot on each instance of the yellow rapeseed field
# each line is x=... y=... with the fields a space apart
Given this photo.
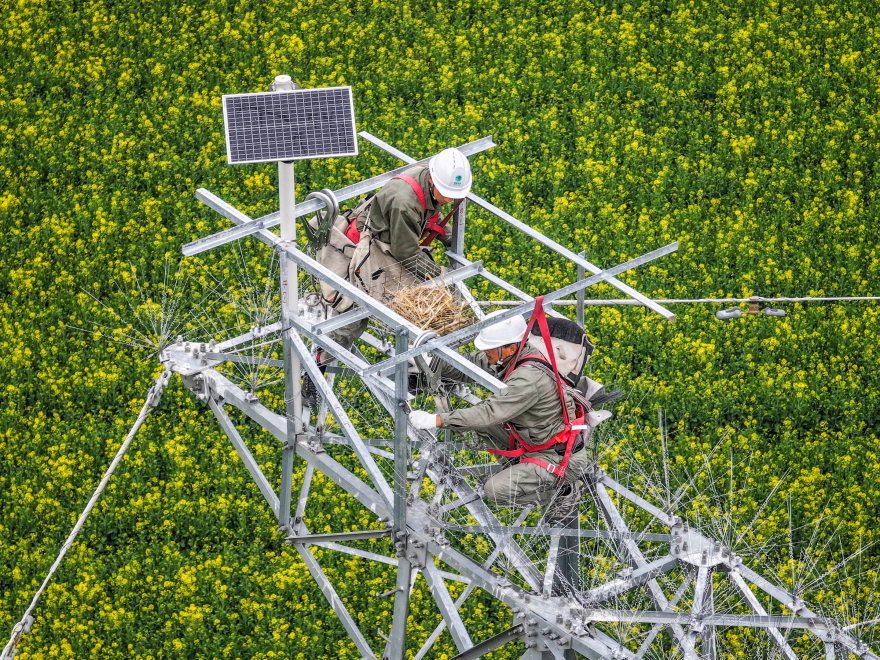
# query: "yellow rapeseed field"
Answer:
x=747 y=131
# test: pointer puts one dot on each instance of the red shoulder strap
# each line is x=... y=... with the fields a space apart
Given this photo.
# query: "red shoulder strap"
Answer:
x=539 y=316
x=417 y=189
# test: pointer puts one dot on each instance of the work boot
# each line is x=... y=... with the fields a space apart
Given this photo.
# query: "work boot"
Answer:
x=566 y=505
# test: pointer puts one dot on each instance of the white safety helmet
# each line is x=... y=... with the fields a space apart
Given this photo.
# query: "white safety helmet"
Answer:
x=510 y=331
x=451 y=173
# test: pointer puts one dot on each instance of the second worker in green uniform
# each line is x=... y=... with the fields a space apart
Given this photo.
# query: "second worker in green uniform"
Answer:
x=528 y=414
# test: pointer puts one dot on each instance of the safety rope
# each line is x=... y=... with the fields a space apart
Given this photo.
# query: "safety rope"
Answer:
x=24 y=625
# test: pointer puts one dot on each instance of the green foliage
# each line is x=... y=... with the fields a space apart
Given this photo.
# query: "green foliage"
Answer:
x=747 y=131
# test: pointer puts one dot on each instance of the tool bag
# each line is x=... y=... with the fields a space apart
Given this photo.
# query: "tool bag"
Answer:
x=336 y=255
x=566 y=439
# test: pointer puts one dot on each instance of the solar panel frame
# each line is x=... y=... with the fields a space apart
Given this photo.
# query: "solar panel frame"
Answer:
x=319 y=123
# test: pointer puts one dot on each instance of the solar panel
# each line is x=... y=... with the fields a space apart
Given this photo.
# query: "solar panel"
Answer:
x=290 y=125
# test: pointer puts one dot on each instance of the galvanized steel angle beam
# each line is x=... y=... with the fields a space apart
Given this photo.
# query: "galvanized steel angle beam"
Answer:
x=682 y=588
x=249 y=336
x=497 y=281
x=777 y=637
x=737 y=620
x=341 y=416
x=700 y=585
x=615 y=521
x=260 y=226
x=468 y=591
x=340 y=321
x=447 y=608
x=275 y=424
x=550 y=566
x=396 y=645
x=478 y=509
x=244 y=359
x=441 y=343
x=336 y=603
x=245 y=226
x=246 y=457
x=544 y=530
x=303 y=499
x=339 y=536
x=644 y=573
x=529 y=231
x=496 y=641
x=389 y=317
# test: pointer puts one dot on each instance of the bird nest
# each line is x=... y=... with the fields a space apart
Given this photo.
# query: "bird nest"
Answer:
x=432 y=306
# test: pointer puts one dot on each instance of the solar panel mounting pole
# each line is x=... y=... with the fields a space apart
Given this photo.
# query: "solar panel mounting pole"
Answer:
x=289 y=307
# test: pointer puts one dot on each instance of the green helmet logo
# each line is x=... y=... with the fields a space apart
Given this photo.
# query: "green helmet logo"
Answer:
x=458 y=179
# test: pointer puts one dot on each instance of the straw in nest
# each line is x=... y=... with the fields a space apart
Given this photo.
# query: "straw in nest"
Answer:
x=432 y=308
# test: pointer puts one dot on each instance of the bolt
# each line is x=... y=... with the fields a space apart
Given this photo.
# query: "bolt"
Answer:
x=559 y=619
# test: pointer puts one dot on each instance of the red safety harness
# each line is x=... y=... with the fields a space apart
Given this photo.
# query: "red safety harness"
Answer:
x=570 y=432
x=432 y=230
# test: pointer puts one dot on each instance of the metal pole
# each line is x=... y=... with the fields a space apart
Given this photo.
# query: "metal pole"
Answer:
x=582 y=294
x=289 y=307
x=396 y=646
x=458 y=226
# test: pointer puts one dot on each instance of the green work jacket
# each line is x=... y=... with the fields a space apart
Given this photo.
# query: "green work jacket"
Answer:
x=396 y=218
x=530 y=402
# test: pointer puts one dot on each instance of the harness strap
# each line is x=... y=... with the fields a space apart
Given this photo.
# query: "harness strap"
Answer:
x=539 y=316
x=433 y=228
x=352 y=232
x=417 y=189
x=552 y=469
x=570 y=432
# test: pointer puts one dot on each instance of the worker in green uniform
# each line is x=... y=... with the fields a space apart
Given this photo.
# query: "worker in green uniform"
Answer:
x=525 y=421
x=393 y=232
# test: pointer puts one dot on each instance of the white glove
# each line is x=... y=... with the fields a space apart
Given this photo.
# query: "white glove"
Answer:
x=422 y=420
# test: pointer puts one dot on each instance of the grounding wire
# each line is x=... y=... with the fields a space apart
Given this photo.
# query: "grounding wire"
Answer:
x=674 y=301
x=152 y=401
